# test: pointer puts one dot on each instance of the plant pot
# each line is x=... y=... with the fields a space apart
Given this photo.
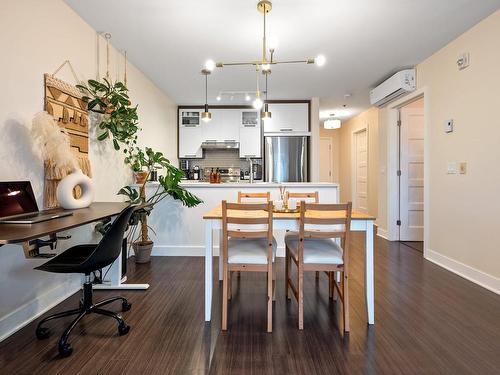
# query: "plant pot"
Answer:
x=142 y=251
x=140 y=177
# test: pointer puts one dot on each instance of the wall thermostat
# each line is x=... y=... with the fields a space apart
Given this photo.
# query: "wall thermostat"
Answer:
x=448 y=126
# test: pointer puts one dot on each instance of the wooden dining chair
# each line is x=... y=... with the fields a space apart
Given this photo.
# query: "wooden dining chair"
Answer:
x=247 y=245
x=303 y=196
x=261 y=196
x=314 y=248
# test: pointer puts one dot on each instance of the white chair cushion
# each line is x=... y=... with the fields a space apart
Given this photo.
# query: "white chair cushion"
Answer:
x=249 y=250
x=316 y=250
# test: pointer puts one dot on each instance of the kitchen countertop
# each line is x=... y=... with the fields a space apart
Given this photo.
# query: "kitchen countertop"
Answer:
x=246 y=184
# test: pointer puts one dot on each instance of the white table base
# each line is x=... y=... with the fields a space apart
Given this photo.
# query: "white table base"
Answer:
x=282 y=224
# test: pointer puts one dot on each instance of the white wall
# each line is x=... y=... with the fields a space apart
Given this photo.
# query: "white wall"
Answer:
x=35 y=38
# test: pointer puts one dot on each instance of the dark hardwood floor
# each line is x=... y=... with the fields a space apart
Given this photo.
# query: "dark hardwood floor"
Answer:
x=428 y=321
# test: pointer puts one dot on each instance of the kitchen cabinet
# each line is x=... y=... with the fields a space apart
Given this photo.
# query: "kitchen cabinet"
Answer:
x=250 y=141
x=288 y=118
x=223 y=127
x=190 y=134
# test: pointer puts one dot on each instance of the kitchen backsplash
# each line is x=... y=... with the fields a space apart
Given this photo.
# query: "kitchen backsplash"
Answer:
x=222 y=158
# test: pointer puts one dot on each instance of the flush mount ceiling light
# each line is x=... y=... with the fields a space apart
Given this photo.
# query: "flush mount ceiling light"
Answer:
x=206 y=116
x=332 y=123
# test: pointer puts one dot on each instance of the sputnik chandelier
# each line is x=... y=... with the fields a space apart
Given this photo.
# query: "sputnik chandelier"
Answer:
x=263 y=64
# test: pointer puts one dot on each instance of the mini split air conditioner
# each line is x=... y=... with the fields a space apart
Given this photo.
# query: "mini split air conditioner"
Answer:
x=391 y=89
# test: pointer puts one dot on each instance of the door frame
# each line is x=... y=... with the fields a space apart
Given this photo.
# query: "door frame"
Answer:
x=392 y=164
x=364 y=128
x=331 y=155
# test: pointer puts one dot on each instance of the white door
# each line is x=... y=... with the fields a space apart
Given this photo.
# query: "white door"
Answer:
x=360 y=178
x=325 y=155
x=412 y=175
x=190 y=138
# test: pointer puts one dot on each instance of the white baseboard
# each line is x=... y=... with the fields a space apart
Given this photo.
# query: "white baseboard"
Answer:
x=195 y=251
x=383 y=233
x=31 y=310
x=481 y=278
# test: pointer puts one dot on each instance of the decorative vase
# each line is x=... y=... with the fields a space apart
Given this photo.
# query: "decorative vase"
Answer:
x=140 y=177
x=65 y=189
x=142 y=251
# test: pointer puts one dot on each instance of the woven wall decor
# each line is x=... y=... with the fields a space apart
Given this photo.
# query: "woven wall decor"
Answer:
x=64 y=102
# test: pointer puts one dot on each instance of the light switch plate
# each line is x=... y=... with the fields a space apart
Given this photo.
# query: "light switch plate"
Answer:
x=463 y=61
x=448 y=126
x=452 y=168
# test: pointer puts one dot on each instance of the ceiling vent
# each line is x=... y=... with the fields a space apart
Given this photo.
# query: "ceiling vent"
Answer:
x=398 y=85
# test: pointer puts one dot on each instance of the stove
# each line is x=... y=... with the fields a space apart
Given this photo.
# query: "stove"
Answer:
x=227 y=174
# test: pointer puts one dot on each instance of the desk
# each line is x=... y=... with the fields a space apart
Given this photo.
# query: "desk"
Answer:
x=288 y=221
x=24 y=233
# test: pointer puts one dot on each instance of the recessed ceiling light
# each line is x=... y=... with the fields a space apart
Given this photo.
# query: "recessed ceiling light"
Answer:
x=218 y=98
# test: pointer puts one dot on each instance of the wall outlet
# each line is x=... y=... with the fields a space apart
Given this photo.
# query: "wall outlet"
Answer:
x=448 y=126
x=463 y=168
x=452 y=168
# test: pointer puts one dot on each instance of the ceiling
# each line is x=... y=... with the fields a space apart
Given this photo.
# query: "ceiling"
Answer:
x=364 y=41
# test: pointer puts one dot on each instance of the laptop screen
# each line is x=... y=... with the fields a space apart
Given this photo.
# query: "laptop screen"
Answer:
x=16 y=198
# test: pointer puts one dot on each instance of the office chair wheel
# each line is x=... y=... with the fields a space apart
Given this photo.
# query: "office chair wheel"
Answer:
x=65 y=350
x=126 y=306
x=123 y=328
x=42 y=333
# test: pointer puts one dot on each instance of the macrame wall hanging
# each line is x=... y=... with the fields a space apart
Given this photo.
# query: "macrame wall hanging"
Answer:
x=64 y=102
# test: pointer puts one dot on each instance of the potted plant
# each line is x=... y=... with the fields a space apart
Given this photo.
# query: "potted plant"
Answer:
x=119 y=122
x=150 y=160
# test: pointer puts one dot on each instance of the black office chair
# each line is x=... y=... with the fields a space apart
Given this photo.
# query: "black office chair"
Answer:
x=86 y=259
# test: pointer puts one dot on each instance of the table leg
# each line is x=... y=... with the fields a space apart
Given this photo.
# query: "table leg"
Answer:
x=208 y=269
x=369 y=277
x=221 y=267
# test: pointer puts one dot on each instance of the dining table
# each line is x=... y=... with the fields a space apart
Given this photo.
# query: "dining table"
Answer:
x=288 y=221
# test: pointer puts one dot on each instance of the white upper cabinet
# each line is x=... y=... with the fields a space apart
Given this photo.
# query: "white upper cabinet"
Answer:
x=223 y=127
x=288 y=118
x=250 y=134
x=190 y=133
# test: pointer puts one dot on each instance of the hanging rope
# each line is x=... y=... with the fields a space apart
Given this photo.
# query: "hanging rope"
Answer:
x=67 y=62
x=108 y=37
x=125 y=73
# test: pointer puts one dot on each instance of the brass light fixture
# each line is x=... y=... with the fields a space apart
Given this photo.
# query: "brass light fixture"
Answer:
x=206 y=116
x=266 y=115
x=265 y=6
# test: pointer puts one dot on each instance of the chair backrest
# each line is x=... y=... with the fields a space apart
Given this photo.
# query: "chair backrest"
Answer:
x=261 y=196
x=247 y=220
x=303 y=196
x=328 y=221
x=110 y=246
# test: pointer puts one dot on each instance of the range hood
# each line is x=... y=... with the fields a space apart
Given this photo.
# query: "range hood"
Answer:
x=220 y=145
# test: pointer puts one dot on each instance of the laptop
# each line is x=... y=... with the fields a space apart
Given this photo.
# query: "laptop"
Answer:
x=18 y=205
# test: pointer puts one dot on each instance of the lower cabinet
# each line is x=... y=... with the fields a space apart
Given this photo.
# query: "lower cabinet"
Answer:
x=250 y=141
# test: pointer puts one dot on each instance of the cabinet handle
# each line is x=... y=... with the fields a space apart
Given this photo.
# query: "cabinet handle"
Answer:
x=249 y=125
x=286 y=129
x=190 y=155
x=229 y=140
x=211 y=140
x=249 y=156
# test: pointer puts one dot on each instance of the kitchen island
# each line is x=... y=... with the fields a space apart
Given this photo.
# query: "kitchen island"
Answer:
x=180 y=230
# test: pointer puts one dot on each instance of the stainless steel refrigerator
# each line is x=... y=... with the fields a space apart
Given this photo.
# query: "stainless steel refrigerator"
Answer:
x=286 y=158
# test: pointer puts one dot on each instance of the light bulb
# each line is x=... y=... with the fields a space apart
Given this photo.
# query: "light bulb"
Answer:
x=210 y=65
x=257 y=103
x=272 y=43
x=247 y=97
x=266 y=67
x=218 y=98
x=320 y=60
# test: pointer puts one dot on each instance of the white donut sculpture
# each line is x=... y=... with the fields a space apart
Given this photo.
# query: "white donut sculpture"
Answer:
x=65 y=191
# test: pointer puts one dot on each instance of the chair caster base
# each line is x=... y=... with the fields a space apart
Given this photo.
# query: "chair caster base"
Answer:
x=123 y=329
x=126 y=306
x=65 y=350
x=42 y=333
